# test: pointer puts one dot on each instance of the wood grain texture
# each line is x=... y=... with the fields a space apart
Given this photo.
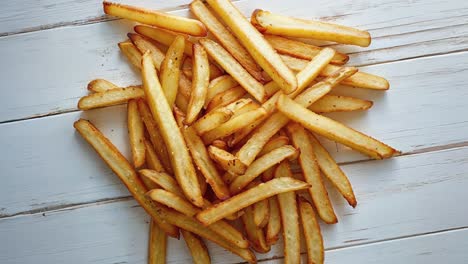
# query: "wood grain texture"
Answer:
x=397 y=198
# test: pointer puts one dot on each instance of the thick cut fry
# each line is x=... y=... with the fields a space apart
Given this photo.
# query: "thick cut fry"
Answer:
x=311 y=172
x=333 y=172
x=155 y=18
x=204 y=163
x=197 y=248
x=261 y=213
x=162 y=36
x=275 y=122
x=131 y=53
x=273 y=144
x=144 y=44
x=339 y=103
x=249 y=197
x=273 y=227
x=200 y=82
x=136 y=134
x=219 y=85
x=255 y=234
x=173 y=201
x=233 y=125
x=359 y=79
x=180 y=157
x=122 y=168
x=255 y=44
x=162 y=180
x=275 y=24
x=155 y=135
x=250 y=106
x=212 y=120
x=289 y=218
x=312 y=234
x=101 y=85
x=226 y=97
x=157 y=245
x=301 y=50
x=170 y=69
x=110 y=97
x=260 y=165
x=231 y=66
x=333 y=130
x=225 y=37
x=152 y=160
x=187 y=69
x=226 y=160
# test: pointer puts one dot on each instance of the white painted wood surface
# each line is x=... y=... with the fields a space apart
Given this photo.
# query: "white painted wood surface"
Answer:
x=59 y=203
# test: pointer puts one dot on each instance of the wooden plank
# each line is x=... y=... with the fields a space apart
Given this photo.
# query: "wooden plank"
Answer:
x=395 y=198
x=72 y=56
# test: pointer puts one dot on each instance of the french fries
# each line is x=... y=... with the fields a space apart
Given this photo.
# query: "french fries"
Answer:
x=236 y=203
x=338 y=103
x=255 y=234
x=261 y=213
x=273 y=227
x=170 y=69
x=212 y=120
x=187 y=68
x=301 y=50
x=152 y=160
x=227 y=161
x=101 y=85
x=110 y=97
x=200 y=82
x=226 y=97
x=157 y=245
x=231 y=66
x=269 y=23
x=164 y=37
x=225 y=37
x=197 y=248
x=144 y=44
x=162 y=180
x=136 y=134
x=255 y=44
x=312 y=233
x=219 y=85
x=155 y=18
x=180 y=158
x=131 y=52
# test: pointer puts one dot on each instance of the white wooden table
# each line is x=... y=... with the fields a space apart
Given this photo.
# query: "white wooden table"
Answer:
x=60 y=204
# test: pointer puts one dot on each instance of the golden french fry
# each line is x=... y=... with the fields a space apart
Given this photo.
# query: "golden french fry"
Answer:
x=110 y=97
x=273 y=144
x=254 y=233
x=204 y=163
x=152 y=160
x=157 y=245
x=155 y=135
x=155 y=18
x=273 y=227
x=212 y=120
x=173 y=201
x=170 y=69
x=255 y=44
x=289 y=218
x=338 y=103
x=225 y=37
x=261 y=213
x=185 y=86
x=200 y=83
x=226 y=97
x=197 y=248
x=219 y=85
x=162 y=180
x=221 y=144
x=333 y=130
x=180 y=157
x=333 y=172
x=101 y=85
x=231 y=66
x=269 y=23
x=229 y=177
x=136 y=133
x=144 y=44
x=162 y=36
x=181 y=102
x=187 y=66
x=131 y=52
x=179 y=116
x=123 y=169
x=312 y=234
x=275 y=122
x=301 y=50
x=226 y=160
x=311 y=172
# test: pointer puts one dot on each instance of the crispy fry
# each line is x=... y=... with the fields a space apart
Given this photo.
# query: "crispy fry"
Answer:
x=229 y=177
x=152 y=160
x=333 y=172
x=185 y=86
x=339 y=103
x=162 y=36
x=197 y=248
x=110 y=97
x=101 y=85
x=162 y=180
x=202 y=182
x=180 y=158
x=131 y=53
x=187 y=68
x=155 y=18
x=275 y=24
x=122 y=168
x=221 y=144
x=255 y=234
x=219 y=85
x=170 y=69
x=144 y=44
x=179 y=116
x=273 y=144
x=181 y=102
x=334 y=130
x=157 y=245
x=255 y=44
x=225 y=98
x=301 y=50
x=231 y=66
x=204 y=163
x=273 y=227
x=312 y=234
x=289 y=218
x=173 y=201
x=261 y=213
x=311 y=172
x=226 y=160
x=136 y=134
x=225 y=37
x=200 y=83
x=212 y=120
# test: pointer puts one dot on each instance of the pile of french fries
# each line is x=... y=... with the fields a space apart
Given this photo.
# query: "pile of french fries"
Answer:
x=218 y=121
